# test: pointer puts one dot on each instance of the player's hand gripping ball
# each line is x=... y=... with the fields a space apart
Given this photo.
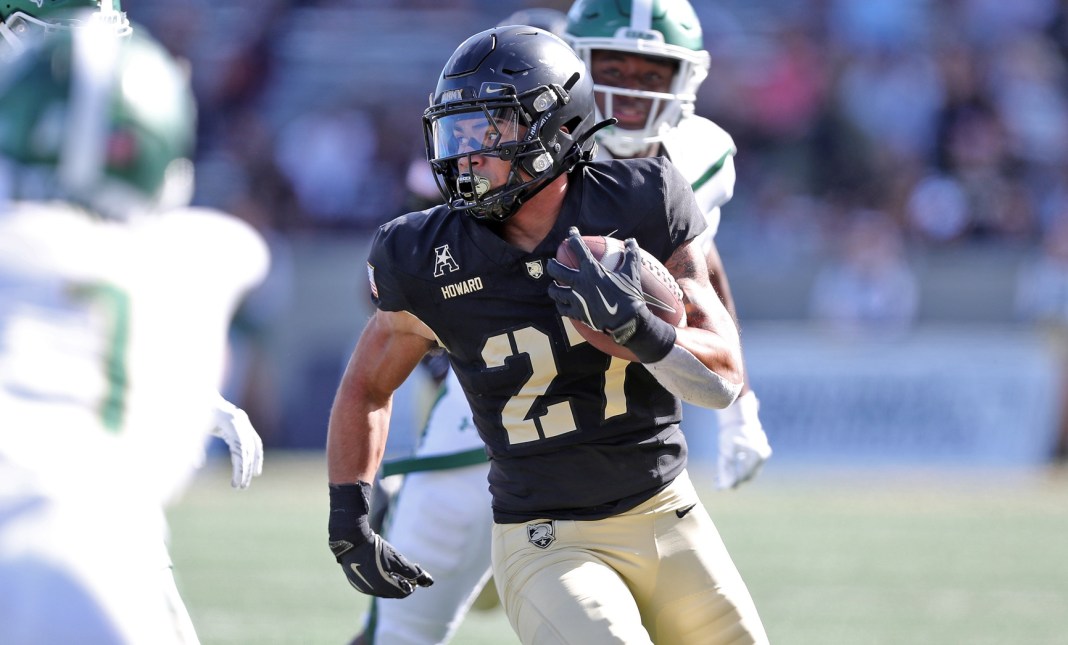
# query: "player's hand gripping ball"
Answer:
x=659 y=290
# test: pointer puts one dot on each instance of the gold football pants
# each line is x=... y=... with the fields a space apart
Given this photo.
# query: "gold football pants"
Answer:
x=658 y=573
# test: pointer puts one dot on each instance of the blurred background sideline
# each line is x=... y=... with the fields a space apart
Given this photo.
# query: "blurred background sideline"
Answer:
x=897 y=242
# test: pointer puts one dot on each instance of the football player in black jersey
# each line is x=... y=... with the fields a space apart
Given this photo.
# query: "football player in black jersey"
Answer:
x=599 y=535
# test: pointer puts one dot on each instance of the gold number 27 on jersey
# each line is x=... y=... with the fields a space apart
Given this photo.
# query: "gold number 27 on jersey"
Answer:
x=558 y=418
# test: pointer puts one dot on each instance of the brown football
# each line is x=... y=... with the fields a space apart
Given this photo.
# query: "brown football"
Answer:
x=663 y=295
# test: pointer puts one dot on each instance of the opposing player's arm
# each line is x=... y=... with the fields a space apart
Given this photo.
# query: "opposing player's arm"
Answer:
x=232 y=425
x=389 y=349
x=743 y=444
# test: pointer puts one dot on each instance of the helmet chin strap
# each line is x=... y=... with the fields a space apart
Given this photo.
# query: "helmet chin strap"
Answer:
x=607 y=123
x=597 y=127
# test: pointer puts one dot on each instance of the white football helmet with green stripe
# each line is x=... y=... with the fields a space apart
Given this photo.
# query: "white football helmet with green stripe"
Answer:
x=21 y=21
x=663 y=28
x=99 y=119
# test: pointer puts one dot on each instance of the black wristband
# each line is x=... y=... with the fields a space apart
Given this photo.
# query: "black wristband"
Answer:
x=350 y=505
x=651 y=338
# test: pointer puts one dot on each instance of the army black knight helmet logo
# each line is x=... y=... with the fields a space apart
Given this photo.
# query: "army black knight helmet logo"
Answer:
x=541 y=534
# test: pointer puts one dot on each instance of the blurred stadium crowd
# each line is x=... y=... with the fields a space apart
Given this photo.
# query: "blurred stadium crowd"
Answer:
x=875 y=138
x=948 y=116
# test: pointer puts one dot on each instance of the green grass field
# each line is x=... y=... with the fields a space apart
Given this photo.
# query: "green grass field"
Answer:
x=880 y=557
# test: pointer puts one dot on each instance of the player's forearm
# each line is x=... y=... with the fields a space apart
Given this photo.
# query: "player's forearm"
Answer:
x=352 y=451
x=713 y=337
x=718 y=354
x=710 y=334
x=682 y=374
x=384 y=357
x=357 y=430
x=704 y=367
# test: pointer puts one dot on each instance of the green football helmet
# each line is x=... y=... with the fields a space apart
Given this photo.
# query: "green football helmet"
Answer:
x=101 y=120
x=663 y=28
x=21 y=21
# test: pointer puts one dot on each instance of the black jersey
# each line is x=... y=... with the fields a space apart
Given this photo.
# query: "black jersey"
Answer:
x=571 y=432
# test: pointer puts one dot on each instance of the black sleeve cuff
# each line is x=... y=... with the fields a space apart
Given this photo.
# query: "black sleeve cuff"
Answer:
x=651 y=339
x=349 y=507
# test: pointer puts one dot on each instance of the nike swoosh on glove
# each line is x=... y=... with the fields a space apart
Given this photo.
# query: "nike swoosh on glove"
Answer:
x=375 y=568
x=232 y=425
x=609 y=301
x=371 y=565
x=743 y=445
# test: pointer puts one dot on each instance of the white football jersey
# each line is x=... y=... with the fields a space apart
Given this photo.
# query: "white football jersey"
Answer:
x=704 y=154
x=113 y=338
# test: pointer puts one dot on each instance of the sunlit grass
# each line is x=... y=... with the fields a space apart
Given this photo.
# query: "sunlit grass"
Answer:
x=878 y=557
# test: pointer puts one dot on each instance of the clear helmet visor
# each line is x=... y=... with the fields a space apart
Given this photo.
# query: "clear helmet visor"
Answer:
x=481 y=130
x=483 y=156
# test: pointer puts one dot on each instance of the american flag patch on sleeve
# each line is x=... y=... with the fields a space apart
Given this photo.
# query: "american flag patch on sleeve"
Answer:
x=371 y=279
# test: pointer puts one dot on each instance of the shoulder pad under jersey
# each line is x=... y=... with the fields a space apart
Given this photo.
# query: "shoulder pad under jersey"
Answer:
x=703 y=153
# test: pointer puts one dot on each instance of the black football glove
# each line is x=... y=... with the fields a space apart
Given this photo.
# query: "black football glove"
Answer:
x=370 y=563
x=609 y=301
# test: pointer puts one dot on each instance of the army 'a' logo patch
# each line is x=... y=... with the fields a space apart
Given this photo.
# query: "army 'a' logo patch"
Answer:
x=542 y=534
x=443 y=260
x=535 y=269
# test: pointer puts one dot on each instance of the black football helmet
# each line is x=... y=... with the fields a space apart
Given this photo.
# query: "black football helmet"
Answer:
x=505 y=80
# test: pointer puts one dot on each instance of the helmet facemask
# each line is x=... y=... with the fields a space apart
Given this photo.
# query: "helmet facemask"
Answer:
x=29 y=22
x=667 y=108
x=517 y=129
x=21 y=28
